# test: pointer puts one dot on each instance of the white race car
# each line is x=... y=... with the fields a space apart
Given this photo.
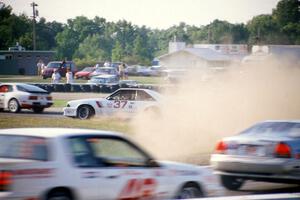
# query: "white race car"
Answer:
x=82 y=164
x=125 y=100
x=17 y=96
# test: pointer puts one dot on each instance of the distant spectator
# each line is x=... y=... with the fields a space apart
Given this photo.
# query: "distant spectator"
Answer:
x=97 y=66
x=63 y=63
x=69 y=76
x=56 y=76
x=122 y=71
x=40 y=65
x=106 y=64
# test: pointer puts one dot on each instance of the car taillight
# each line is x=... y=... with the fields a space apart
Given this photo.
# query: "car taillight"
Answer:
x=221 y=147
x=33 y=98
x=5 y=180
x=49 y=98
x=282 y=150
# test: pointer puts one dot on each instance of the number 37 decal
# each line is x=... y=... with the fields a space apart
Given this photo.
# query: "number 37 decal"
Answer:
x=138 y=189
x=120 y=104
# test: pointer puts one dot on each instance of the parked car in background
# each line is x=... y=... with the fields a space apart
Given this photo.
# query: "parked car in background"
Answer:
x=138 y=70
x=268 y=151
x=85 y=164
x=57 y=65
x=158 y=71
x=104 y=70
x=128 y=101
x=174 y=75
x=85 y=73
x=128 y=83
x=104 y=79
x=17 y=96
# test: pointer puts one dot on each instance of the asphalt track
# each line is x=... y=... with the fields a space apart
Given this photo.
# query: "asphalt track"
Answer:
x=250 y=187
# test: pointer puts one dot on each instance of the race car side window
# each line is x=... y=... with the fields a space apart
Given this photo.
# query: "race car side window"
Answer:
x=116 y=153
x=97 y=151
x=129 y=95
x=143 y=96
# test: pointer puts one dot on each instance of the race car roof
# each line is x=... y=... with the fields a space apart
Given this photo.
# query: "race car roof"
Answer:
x=54 y=132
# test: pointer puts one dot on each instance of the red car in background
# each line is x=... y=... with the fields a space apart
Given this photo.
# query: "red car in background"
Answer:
x=85 y=73
x=62 y=68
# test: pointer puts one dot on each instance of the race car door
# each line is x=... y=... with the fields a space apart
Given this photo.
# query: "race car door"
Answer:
x=124 y=171
x=123 y=101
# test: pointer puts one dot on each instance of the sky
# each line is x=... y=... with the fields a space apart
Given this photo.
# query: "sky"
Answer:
x=160 y=14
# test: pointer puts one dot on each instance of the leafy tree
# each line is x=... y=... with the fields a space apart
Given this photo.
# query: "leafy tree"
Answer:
x=117 y=52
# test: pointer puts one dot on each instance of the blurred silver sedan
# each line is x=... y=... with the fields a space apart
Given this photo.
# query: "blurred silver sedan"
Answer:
x=268 y=151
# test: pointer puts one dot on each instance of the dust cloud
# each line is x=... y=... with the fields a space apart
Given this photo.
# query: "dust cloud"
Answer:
x=207 y=106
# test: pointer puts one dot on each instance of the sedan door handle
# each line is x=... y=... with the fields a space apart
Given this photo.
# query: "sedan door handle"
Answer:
x=112 y=177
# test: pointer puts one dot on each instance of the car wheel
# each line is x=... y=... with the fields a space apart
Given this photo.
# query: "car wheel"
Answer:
x=85 y=112
x=232 y=183
x=44 y=77
x=190 y=191
x=59 y=196
x=38 y=109
x=14 y=106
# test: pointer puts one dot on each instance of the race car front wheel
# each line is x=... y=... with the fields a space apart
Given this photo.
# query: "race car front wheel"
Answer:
x=59 y=195
x=190 y=191
x=14 y=106
x=232 y=183
x=85 y=112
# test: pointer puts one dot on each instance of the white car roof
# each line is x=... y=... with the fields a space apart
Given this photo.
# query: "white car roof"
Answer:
x=105 y=76
x=54 y=132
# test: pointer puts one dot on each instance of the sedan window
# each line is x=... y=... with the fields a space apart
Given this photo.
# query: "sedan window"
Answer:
x=143 y=96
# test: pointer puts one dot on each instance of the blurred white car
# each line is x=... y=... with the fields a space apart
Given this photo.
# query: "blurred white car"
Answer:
x=17 y=96
x=128 y=101
x=82 y=164
x=104 y=79
x=104 y=70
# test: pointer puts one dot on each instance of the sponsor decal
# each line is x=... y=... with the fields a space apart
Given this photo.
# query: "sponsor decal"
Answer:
x=139 y=189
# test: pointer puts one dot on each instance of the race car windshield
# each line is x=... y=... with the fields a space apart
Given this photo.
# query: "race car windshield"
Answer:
x=279 y=128
x=23 y=147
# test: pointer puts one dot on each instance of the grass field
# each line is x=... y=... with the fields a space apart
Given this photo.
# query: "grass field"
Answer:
x=59 y=103
x=113 y=124
x=38 y=79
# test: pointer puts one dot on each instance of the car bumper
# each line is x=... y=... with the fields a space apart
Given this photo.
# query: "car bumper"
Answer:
x=36 y=104
x=70 y=112
x=259 y=167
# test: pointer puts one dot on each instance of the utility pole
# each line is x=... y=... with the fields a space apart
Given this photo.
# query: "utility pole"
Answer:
x=35 y=14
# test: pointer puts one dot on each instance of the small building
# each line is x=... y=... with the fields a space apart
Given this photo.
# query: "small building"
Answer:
x=17 y=60
x=202 y=55
x=259 y=53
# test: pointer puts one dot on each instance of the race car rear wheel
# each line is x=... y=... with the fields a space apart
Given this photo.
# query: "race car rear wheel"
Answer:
x=59 y=195
x=14 y=106
x=85 y=112
x=190 y=191
x=232 y=183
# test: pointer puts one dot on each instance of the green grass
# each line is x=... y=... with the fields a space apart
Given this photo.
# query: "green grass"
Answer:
x=59 y=103
x=112 y=124
x=38 y=79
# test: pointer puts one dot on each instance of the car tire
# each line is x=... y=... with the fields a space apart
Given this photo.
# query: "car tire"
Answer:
x=232 y=183
x=85 y=112
x=14 y=106
x=59 y=195
x=37 y=109
x=190 y=191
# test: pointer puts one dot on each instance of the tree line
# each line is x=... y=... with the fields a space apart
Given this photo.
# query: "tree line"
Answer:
x=88 y=41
